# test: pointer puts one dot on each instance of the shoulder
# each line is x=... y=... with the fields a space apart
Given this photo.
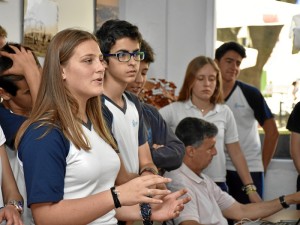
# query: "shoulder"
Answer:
x=173 y=105
x=248 y=89
x=42 y=139
x=132 y=97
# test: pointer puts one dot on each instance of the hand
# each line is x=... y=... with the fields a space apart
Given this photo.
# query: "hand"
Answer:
x=138 y=190
x=254 y=197
x=11 y=215
x=156 y=146
x=22 y=60
x=171 y=207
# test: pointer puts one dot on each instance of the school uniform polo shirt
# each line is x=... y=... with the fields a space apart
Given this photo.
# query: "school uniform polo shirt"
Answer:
x=221 y=116
x=207 y=199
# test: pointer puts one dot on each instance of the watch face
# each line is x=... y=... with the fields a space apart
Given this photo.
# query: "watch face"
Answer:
x=17 y=204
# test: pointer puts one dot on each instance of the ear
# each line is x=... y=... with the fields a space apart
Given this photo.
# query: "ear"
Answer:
x=63 y=75
x=4 y=95
x=189 y=151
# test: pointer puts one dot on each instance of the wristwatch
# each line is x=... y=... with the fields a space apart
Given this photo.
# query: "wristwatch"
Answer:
x=17 y=204
x=149 y=169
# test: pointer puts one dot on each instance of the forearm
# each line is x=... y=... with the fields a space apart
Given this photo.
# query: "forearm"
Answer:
x=75 y=211
x=294 y=149
x=256 y=210
x=269 y=147
x=270 y=141
x=128 y=213
x=240 y=163
x=33 y=80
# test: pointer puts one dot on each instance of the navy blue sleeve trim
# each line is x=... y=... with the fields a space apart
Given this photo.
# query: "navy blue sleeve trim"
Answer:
x=43 y=153
x=10 y=124
x=293 y=123
x=257 y=102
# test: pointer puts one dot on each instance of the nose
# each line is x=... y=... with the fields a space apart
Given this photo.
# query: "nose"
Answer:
x=132 y=61
x=101 y=66
x=214 y=151
x=139 y=78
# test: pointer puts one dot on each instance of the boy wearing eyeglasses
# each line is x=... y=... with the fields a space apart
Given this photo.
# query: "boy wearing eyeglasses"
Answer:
x=120 y=44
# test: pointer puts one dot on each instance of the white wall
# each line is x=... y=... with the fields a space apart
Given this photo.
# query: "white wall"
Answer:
x=72 y=13
x=177 y=30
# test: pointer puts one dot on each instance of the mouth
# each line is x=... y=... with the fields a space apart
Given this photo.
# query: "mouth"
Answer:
x=99 y=80
x=132 y=72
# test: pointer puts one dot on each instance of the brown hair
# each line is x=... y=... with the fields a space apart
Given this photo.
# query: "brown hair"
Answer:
x=55 y=106
x=190 y=77
x=3 y=32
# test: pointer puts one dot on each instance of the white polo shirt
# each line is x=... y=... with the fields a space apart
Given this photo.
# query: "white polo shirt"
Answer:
x=207 y=199
x=221 y=116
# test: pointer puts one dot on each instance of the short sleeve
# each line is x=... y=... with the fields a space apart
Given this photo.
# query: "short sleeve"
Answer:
x=43 y=153
x=293 y=123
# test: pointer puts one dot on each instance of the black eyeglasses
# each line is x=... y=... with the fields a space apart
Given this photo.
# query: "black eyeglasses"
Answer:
x=126 y=56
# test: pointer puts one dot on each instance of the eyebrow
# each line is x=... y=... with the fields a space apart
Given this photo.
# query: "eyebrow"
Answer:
x=125 y=50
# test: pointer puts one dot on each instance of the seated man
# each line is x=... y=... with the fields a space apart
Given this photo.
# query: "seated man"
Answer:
x=209 y=204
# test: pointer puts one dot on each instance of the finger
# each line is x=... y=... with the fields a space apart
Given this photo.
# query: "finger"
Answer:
x=150 y=180
x=6 y=54
x=16 y=49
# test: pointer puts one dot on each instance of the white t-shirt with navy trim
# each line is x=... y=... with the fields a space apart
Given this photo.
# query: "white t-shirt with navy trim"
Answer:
x=125 y=129
x=55 y=169
x=249 y=108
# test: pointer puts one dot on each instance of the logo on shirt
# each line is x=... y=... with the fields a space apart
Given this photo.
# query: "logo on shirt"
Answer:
x=134 y=123
x=237 y=105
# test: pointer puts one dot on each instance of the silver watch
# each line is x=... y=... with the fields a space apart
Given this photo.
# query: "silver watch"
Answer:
x=17 y=204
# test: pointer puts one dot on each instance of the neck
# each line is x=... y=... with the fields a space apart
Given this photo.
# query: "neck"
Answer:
x=227 y=88
x=193 y=168
x=202 y=105
x=114 y=90
x=16 y=109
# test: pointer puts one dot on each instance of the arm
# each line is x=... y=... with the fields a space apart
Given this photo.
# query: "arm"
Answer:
x=294 y=149
x=25 y=64
x=9 y=191
x=145 y=158
x=270 y=141
x=123 y=175
x=240 y=163
x=166 y=149
x=170 y=208
x=189 y=222
x=259 y=210
x=85 y=210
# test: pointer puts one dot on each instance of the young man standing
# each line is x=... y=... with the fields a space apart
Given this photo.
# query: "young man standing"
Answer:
x=249 y=107
x=120 y=44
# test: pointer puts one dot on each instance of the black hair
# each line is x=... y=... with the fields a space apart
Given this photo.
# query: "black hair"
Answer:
x=8 y=82
x=192 y=131
x=149 y=53
x=230 y=46
x=113 y=30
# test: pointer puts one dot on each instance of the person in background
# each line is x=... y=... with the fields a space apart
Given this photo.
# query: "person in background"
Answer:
x=293 y=125
x=166 y=149
x=11 y=201
x=120 y=44
x=20 y=75
x=201 y=96
x=209 y=204
x=67 y=153
x=3 y=36
x=248 y=107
